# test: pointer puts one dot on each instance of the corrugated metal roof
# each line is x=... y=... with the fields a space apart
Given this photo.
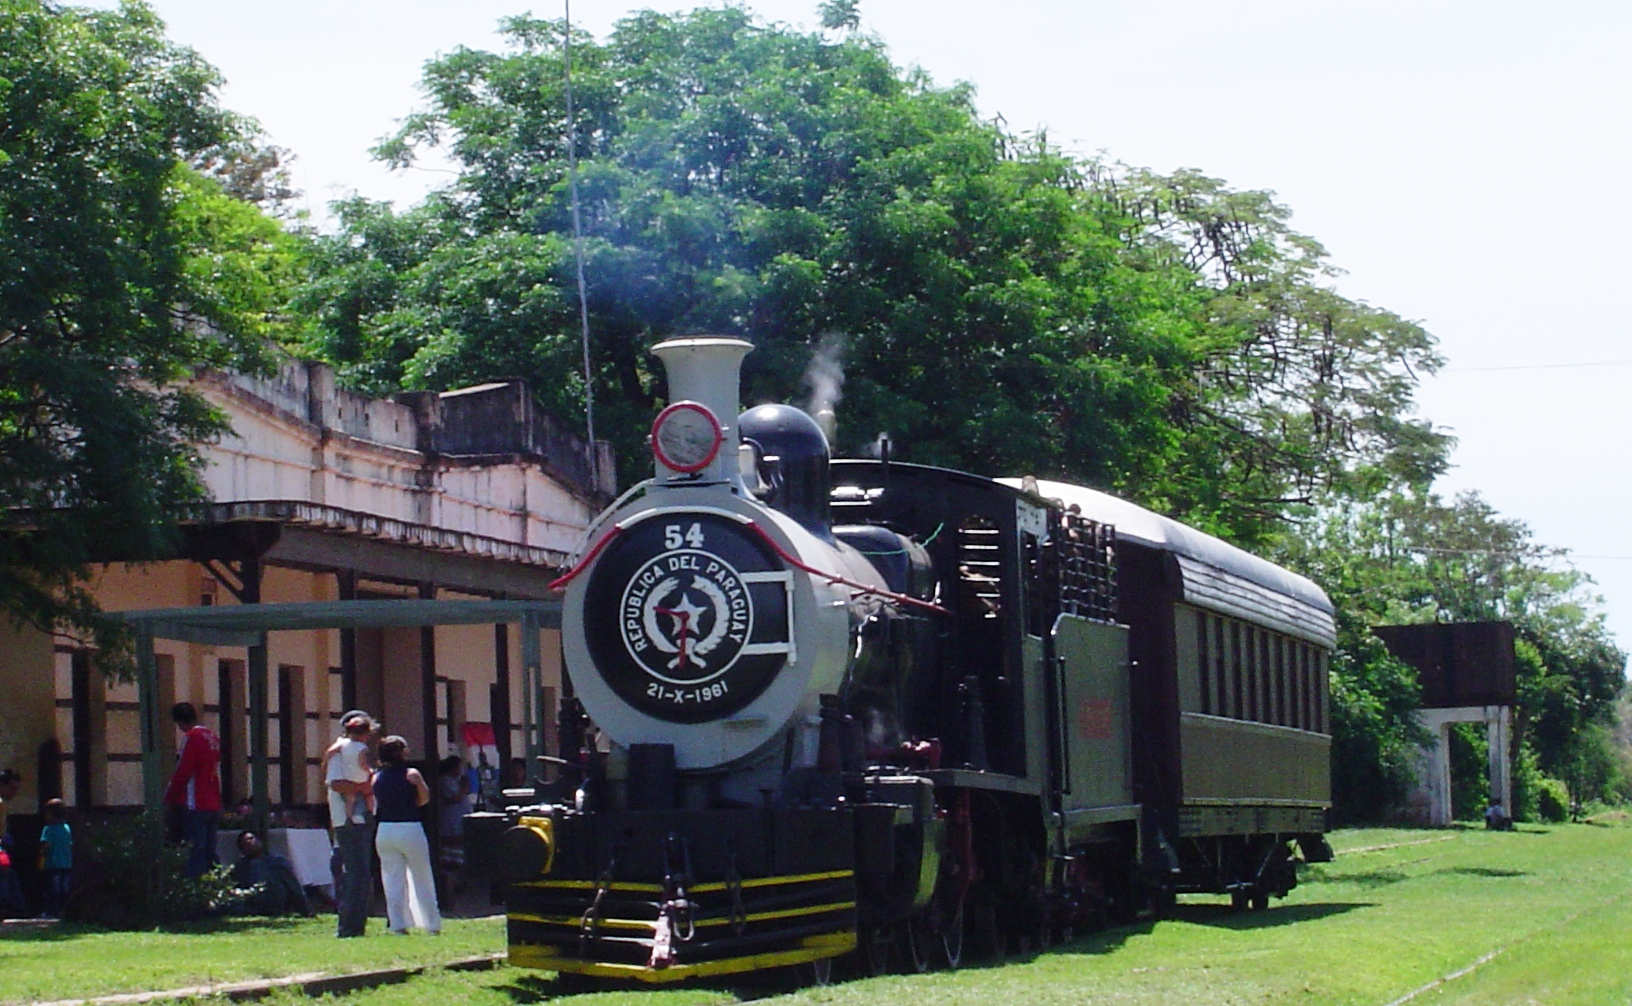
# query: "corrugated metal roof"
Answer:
x=1217 y=575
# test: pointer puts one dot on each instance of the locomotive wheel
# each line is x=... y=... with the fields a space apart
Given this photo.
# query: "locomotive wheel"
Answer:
x=819 y=972
x=952 y=939
x=981 y=936
x=1238 y=899
x=875 y=951
x=920 y=941
x=1260 y=900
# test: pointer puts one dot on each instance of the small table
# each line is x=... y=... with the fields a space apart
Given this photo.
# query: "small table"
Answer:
x=307 y=850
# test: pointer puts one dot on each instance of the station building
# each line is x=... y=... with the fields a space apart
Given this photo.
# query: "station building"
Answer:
x=319 y=494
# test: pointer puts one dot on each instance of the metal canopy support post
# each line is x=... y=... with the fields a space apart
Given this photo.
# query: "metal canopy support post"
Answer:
x=147 y=697
x=259 y=707
x=501 y=714
x=347 y=589
x=259 y=781
x=431 y=753
x=532 y=673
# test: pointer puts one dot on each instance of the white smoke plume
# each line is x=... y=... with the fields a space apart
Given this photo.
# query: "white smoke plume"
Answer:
x=824 y=375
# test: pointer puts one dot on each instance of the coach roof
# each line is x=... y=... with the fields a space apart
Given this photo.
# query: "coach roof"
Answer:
x=1135 y=524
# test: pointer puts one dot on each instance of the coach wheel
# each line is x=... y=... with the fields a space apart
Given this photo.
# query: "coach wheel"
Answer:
x=1239 y=899
x=1161 y=900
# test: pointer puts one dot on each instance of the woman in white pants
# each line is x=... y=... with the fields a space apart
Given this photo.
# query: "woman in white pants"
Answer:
x=405 y=855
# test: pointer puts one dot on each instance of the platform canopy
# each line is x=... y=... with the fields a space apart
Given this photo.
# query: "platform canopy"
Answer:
x=247 y=625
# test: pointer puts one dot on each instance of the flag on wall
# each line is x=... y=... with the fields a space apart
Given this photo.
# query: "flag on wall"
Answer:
x=482 y=755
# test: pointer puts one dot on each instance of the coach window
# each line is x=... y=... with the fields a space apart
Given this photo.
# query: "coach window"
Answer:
x=1289 y=676
x=1265 y=680
x=1221 y=669
x=1255 y=675
x=1306 y=718
x=1249 y=674
x=1280 y=680
x=1294 y=683
x=1272 y=680
x=1321 y=665
x=1237 y=674
x=1311 y=686
x=1203 y=662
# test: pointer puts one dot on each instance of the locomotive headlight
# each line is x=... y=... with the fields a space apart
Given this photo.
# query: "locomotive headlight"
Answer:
x=686 y=436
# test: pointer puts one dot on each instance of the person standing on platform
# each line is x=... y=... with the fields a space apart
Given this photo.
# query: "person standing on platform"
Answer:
x=195 y=787
x=453 y=785
x=405 y=855
x=11 y=894
x=347 y=781
x=56 y=857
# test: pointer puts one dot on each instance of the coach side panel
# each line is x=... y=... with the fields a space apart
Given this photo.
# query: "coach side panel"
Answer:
x=1253 y=721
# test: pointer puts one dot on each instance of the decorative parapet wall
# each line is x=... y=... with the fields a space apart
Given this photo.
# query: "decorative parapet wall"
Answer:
x=479 y=461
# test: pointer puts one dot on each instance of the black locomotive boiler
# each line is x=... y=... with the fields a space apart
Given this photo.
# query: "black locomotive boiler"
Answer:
x=845 y=706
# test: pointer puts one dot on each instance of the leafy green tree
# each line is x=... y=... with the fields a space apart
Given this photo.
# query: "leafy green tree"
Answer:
x=121 y=269
x=1300 y=393
x=1003 y=308
x=836 y=14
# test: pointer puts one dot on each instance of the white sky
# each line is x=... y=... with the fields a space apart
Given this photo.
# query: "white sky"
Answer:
x=1463 y=161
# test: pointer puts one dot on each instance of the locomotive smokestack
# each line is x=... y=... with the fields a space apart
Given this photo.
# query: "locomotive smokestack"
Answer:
x=707 y=370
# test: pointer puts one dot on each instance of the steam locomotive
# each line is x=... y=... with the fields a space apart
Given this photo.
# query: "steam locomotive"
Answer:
x=857 y=707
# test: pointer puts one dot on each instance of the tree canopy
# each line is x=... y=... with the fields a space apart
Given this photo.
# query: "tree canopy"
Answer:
x=122 y=266
x=1001 y=307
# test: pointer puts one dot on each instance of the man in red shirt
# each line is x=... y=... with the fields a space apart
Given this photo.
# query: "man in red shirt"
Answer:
x=195 y=788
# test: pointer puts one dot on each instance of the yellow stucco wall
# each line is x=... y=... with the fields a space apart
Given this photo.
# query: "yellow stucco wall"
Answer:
x=28 y=709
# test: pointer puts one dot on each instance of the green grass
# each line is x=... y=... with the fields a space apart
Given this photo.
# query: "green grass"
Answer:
x=70 y=961
x=1398 y=911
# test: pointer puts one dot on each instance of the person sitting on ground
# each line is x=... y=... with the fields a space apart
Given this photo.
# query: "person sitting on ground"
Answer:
x=350 y=768
x=271 y=879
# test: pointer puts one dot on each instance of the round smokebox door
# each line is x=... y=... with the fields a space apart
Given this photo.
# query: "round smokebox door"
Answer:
x=686 y=617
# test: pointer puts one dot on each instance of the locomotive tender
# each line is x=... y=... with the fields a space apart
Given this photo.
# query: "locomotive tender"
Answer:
x=867 y=706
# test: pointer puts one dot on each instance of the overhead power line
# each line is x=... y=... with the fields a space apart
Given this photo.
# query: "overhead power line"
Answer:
x=1538 y=366
x=578 y=249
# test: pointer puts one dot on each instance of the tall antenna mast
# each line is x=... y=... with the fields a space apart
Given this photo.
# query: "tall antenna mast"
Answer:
x=578 y=253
